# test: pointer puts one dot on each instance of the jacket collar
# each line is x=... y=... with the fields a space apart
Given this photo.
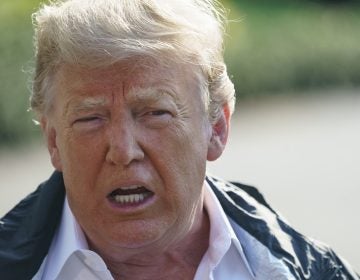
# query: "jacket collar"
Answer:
x=27 y=230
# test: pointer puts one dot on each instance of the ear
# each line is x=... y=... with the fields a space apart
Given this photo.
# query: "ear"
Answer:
x=220 y=132
x=50 y=134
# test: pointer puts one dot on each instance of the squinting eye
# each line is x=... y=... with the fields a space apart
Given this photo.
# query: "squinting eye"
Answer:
x=88 y=123
x=158 y=112
x=87 y=119
x=156 y=118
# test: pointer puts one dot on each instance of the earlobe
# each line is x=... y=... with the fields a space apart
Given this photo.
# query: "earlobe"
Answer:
x=220 y=132
x=50 y=135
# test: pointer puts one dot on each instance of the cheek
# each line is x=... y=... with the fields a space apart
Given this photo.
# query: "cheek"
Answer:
x=81 y=158
x=179 y=151
x=82 y=148
x=179 y=156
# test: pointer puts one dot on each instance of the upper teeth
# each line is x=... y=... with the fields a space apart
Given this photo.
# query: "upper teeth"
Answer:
x=131 y=198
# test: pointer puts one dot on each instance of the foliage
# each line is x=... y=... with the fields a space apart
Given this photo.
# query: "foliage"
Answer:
x=289 y=45
x=15 y=53
x=272 y=46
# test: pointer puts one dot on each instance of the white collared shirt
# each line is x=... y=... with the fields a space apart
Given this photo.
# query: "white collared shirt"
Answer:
x=69 y=257
x=225 y=258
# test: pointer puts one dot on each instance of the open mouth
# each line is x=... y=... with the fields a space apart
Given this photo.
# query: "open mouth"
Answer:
x=128 y=196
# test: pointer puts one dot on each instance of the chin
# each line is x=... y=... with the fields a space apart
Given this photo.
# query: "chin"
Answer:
x=136 y=234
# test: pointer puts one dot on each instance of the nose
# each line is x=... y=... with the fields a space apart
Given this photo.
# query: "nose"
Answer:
x=123 y=148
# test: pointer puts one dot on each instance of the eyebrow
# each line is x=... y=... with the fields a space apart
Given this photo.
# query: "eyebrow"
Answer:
x=149 y=94
x=135 y=95
x=85 y=104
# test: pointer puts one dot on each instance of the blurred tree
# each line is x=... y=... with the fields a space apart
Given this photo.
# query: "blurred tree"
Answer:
x=289 y=46
x=337 y=2
x=15 y=54
x=272 y=46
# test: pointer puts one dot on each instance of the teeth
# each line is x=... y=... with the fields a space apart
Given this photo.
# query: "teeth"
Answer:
x=130 y=198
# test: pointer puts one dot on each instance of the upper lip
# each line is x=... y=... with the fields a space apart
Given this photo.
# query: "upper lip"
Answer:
x=129 y=184
x=131 y=187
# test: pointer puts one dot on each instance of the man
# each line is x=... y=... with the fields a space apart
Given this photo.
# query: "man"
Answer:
x=133 y=98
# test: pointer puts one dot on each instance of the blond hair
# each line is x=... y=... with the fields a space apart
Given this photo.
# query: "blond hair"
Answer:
x=98 y=33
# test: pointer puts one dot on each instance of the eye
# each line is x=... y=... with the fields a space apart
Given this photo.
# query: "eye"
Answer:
x=158 y=113
x=87 y=119
x=88 y=123
x=156 y=118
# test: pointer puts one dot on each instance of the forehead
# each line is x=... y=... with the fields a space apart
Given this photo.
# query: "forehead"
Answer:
x=135 y=83
x=124 y=76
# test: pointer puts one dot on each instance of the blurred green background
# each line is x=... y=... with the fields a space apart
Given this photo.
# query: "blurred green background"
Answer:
x=272 y=47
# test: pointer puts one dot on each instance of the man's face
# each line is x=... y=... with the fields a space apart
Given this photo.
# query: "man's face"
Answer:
x=132 y=143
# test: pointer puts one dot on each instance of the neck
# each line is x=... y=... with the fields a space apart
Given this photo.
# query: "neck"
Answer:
x=178 y=261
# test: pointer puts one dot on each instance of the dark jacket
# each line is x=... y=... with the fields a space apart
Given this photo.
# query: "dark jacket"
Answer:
x=27 y=230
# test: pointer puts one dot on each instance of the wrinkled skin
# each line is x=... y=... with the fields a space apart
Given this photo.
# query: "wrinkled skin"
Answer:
x=129 y=125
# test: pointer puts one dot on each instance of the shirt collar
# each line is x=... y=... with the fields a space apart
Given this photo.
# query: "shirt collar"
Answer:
x=222 y=234
x=68 y=239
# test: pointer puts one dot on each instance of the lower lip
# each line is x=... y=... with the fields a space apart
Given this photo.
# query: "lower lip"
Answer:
x=131 y=207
